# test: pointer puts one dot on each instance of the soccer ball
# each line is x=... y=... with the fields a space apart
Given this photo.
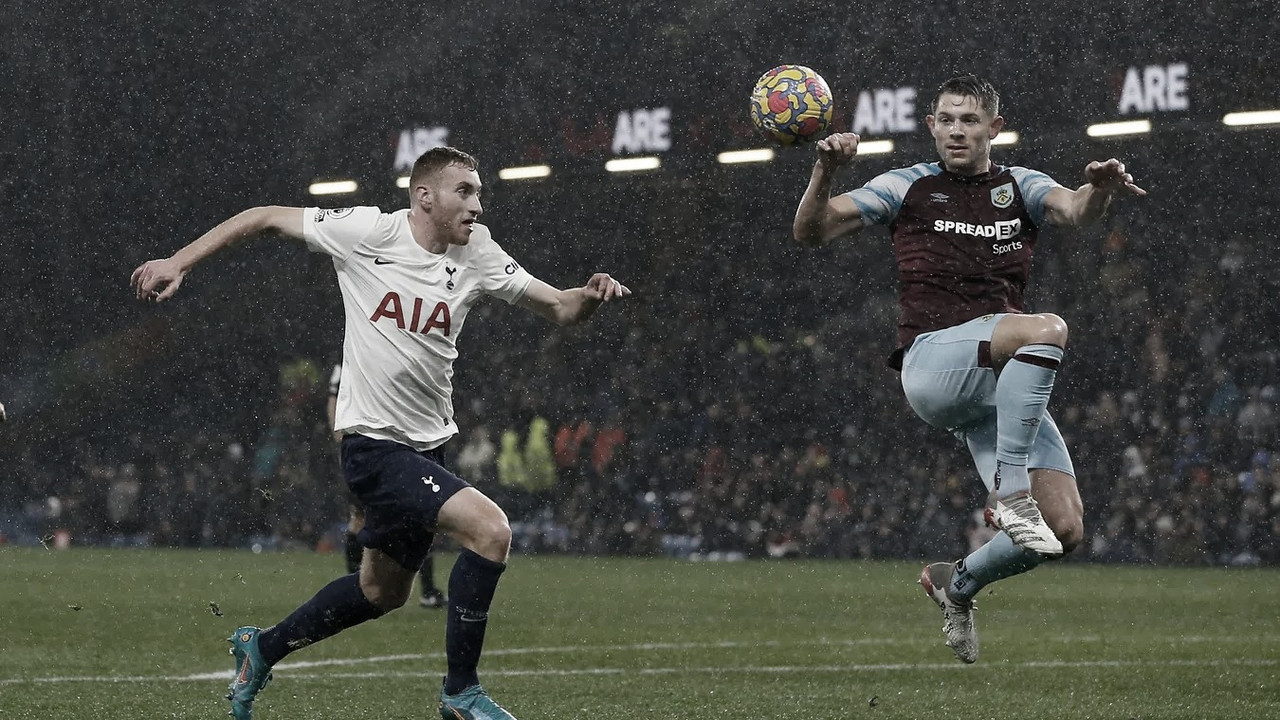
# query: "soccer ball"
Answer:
x=790 y=104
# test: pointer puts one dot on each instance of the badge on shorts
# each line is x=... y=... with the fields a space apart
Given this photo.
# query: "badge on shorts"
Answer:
x=1002 y=197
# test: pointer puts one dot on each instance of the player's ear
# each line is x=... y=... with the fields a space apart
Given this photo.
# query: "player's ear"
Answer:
x=997 y=123
x=929 y=121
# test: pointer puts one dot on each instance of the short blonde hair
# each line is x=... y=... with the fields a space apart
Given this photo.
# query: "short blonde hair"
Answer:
x=437 y=159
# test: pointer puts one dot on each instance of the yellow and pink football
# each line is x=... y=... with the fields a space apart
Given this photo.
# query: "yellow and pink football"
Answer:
x=791 y=104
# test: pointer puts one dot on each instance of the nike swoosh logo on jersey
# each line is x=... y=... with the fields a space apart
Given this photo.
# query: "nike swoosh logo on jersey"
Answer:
x=380 y=261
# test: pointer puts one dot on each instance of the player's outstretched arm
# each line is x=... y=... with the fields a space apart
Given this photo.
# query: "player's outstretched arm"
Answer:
x=820 y=218
x=158 y=280
x=575 y=305
x=1088 y=203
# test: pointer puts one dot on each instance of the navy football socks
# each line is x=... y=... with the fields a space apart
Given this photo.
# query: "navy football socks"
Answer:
x=339 y=605
x=472 y=583
x=353 y=553
x=428 y=574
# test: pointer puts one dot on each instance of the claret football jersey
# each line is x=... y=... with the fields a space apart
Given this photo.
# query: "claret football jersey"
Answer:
x=963 y=243
x=404 y=309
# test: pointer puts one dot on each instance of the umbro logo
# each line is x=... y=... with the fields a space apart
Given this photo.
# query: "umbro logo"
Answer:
x=380 y=261
x=939 y=197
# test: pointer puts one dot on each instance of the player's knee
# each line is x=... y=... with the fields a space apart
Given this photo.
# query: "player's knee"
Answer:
x=493 y=538
x=385 y=596
x=1051 y=330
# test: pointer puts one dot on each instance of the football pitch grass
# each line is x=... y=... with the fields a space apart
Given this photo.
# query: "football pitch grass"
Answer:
x=102 y=633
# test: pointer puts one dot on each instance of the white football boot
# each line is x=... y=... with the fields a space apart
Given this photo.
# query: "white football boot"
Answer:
x=957 y=615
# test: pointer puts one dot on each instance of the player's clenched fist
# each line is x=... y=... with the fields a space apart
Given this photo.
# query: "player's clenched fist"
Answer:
x=1111 y=176
x=838 y=149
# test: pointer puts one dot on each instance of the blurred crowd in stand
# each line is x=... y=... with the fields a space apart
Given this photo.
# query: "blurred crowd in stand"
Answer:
x=739 y=405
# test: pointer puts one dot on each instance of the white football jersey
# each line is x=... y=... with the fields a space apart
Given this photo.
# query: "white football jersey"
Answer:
x=404 y=309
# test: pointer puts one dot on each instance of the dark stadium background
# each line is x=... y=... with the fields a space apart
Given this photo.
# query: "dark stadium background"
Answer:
x=746 y=375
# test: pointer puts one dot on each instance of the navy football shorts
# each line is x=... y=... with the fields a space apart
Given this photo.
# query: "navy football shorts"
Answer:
x=402 y=491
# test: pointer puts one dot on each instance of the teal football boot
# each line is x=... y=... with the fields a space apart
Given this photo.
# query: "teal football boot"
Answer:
x=252 y=673
x=471 y=704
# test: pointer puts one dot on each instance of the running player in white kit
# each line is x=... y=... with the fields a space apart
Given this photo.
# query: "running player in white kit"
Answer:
x=408 y=280
x=352 y=551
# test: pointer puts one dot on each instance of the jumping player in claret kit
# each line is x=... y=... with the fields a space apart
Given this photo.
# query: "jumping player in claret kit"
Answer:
x=408 y=280
x=972 y=363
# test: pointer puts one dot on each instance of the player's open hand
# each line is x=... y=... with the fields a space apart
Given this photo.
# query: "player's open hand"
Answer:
x=604 y=288
x=836 y=150
x=157 y=280
x=1110 y=176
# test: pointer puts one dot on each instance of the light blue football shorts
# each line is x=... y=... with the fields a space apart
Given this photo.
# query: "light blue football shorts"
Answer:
x=949 y=382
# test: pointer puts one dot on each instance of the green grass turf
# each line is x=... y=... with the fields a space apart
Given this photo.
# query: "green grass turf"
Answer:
x=631 y=638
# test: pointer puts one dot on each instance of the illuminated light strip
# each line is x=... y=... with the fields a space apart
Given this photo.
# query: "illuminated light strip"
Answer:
x=402 y=181
x=1253 y=117
x=875 y=147
x=1128 y=127
x=524 y=172
x=632 y=164
x=335 y=187
x=734 y=157
x=1008 y=137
